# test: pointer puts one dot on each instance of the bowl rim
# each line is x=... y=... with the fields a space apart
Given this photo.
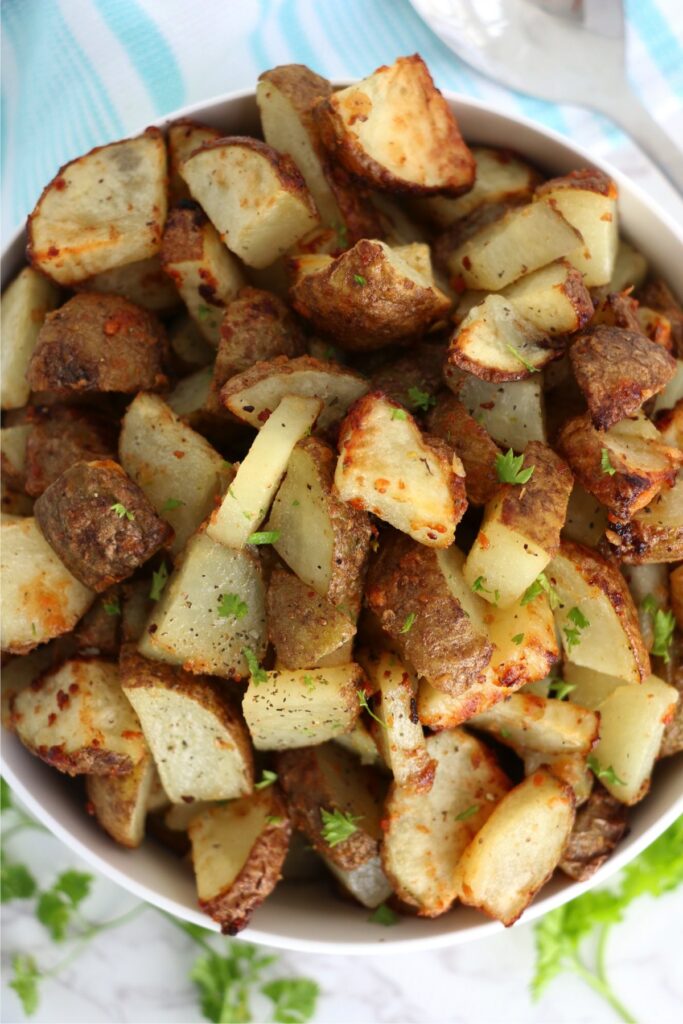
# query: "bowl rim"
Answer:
x=383 y=945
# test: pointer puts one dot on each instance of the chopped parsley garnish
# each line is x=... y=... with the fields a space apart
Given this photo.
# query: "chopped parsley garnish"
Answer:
x=232 y=604
x=605 y=463
x=509 y=468
x=518 y=639
x=171 y=504
x=663 y=626
x=121 y=511
x=479 y=587
x=469 y=812
x=600 y=772
x=421 y=400
x=541 y=584
x=360 y=280
x=383 y=915
x=337 y=827
x=408 y=623
x=203 y=312
x=267 y=779
x=363 y=701
x=258 y=674
x=525 y=363
x=399 y=414
x=573 y=633
x=308 y=682
x=112 y=607
x=264 y=537
x=273 y=819
x=559 y=689
x=159 y=579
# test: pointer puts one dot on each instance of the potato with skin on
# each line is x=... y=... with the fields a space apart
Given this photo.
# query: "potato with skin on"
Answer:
x=516 y=851
x=395 y=131
x=41 y=599
x=588 y=200
x=197 y=737
x=238 y=849
x=25 y=303
x=590 y=588
x=183 y=138
x=410 y=377
x=554 y=299
x=617 y=310
x=189 y=625
x=513 y=414
x=328 y=779
x=549 y=726
x=61 y=436
x=366 y=298
x=98 y=343
x=120 y=802
x=302 y=707
x=586 y=519
x=177 y=469
x=100 y=523
x=303 y=627
x=598 y=828
x=625 y=467
x=436 y=622
x=253 y=394
x=255 y=197
x=386 y=466
x=76 y=718
x=657 y=294
x=143 y=282
x=13 y=443
x=188 y=344
x=98 y=632
x=102 y=210
x=520 y=532
x=207 y=276
x=324 y=540
x=671 y=398
x=426 y=833
x=653 y=535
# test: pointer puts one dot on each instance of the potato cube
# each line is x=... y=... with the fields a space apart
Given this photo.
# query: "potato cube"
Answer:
x=25 y=303
x=588 y=200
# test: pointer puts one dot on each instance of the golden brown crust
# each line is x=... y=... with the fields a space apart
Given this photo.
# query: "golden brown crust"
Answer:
x=538 y=509
x=184 y=137
x=617 y=310
x=59 y=437
x=657 y=295
x=598 y=828
x=421 y=368
x=590 y=179
x=649 y=537
x=99 y=628
x=473 y=445
x=184 y=236
x=618 y=370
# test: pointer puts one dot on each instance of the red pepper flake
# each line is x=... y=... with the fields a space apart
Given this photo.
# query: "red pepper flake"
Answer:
x=467 y=263
x=60 y=184
x=53 y=251
x=51 y=718
x=484 y=541
x=90 y=808
x=179 y=455
x=458 y=283
x=263 y=415
x=131 y=734
x=112 y=326
x=74 y=688
x=63 y=700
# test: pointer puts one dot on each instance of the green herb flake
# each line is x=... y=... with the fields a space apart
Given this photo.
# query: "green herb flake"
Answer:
x=296 y=503
x=469 y=812
x=309 y=682
x=258 y=674
x=294 y=999
x=274 y=819
x=25 y=979
x=337 y=827
x=171 y=504
x=605 y=463
x=360 y=280
x=232 y=604
x=363 y=701
x=121 y=511
x=509 y=468
x=16 y=882
x=504 y=733
x=203 y=312
x=541 y=585
x=573 y=633
x=525 y=363
x=602 y=772
x=112 y=607
x=518 y=639
x=267 y=779
x=559 y=689
x=421 y=400
x=399 y=414
x=384 y=915
x=159 y=580
x=408 y=623
x=264 y=537
x=663 y=626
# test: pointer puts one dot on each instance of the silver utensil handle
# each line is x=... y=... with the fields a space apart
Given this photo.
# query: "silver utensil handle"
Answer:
x=627 y=110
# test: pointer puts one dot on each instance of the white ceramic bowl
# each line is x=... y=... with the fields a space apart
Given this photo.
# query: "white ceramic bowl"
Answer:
x=308 y=917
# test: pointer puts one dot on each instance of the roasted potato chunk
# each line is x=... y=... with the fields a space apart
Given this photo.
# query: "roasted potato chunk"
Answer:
x=659 y=296
x=322 y=539
x=588 y=200
x=414 y=378
x=655 y=534
x=396 y=132
x=183 y=138
x=98 y=632
x=517 y=849
x=617 y=371
x=238 y=850
x=586 y=520
x=387 y=467
x=512 y=413
x=422 y=602
x=617 y=310
x=426 y=833
x=528 y=722
x=366 y=298
x=198 y=739
x=520 y=532
x=188 y=344
x=598 y=827
x=143 y=283
x=25 y=303
x=303 y=626
x=256 y=197
x=629 y=270
x=120 y=802
x=77 y=719
x=61 y=436
x=100 y=523
x=13 y=443
x=98 y=343
x=554 y=299
x=473 y=445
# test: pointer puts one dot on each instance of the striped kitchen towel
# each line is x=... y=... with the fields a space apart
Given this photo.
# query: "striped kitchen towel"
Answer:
x=76 y=73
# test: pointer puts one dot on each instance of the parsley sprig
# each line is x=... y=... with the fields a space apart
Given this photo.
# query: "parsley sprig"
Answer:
x=337 y=826
x=663 y=626
x=232 y=604
x=605 y=464
x=479 y=587
x=363 y=701
x=525 y=362
x=121 y=511
x=258 y=674
x=605 y=772
x=159 y=580
x=573 y=633
x=509 y=468
x=421 y=400
x=541 y=585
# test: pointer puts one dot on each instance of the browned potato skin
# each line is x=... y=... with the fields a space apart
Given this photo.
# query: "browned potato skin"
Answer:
x=98 y=546
x=477 y=451
x=618 y=370
x=297 y=617
x=458 y=178
x=589 y=179
x=179 y=135
x=421 y=368
x=256 y=326
x=539 y=508
x=99 y=629
x=638 y=542
x=259 y=876
x=98 y=343
x=617 y=310
x=657 y=295
x=598 y=828
x=441 y=645
x=61 y=436
x=365 y=317
x=623 y=492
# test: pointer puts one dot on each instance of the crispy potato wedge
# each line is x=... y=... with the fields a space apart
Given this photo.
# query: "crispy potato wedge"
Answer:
x=428 y=832
x=497 y=343
x=517 y=849
x=120 y=803
x=655 y=534
x=513 y=414
x=387 y=467
x=398 y=734
x=40 y=597
x=597 y=830
x=238 y=850
x=25 y=303
x=102 y=210
x=253 y=394
x=183 y=138
x=143 y=282
x=302 y=707
x=322 y=539
x=395 y=131
x=257 y=480
x=198 y=739
x=617 y=309
x=439 y=710
x=658 y=296
x=423 y=603
x=617 y=371
x=179 y=472
x=632 y=722
x=19 y=673
x=588 y=686
x=256 y=197
x=303 y=626
x=624 y=467
x=546 y=725
x=473 y=445
x=586 y=520
x=554 y=299
x=188 y=625
x=76 y=718
x=520 y=532
x=206 y=275
x=568 y=767
x=61 y=436
x=368 y=297
x=588 y=200
x=524 y=239
x=591 y=589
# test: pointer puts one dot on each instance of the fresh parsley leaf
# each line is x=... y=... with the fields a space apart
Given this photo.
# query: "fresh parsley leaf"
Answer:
x=479 y=587
x=273 y=819
x=360 y=280
x=518 y=639
x=112 y=607
x=267 y=779
x=399 y=414
x=573 y=634
x=578 y=618
x=258 y=674
x=525 y=363
x=171 y=503
x=559 y=689
x=159 y=579
x=659 y=868
x=663 y=626
x=601 y=772
x=121 y=511
x=469 y=812
x=337 y=826
x=383 y=915
x=294 y=999
x=478 y=584
x=25 y=981
x=541 y=584
x=203 y=312
x=421 y=400
x=309 y=682
x=225 y=982
x=16 y=882
x=5 y=796
x=504 y=733
x=605 y=463
x=264 y=537
x=232 y=604
x=363 y=701
x=56 y=905
x=509 y=468
x=408 y=623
